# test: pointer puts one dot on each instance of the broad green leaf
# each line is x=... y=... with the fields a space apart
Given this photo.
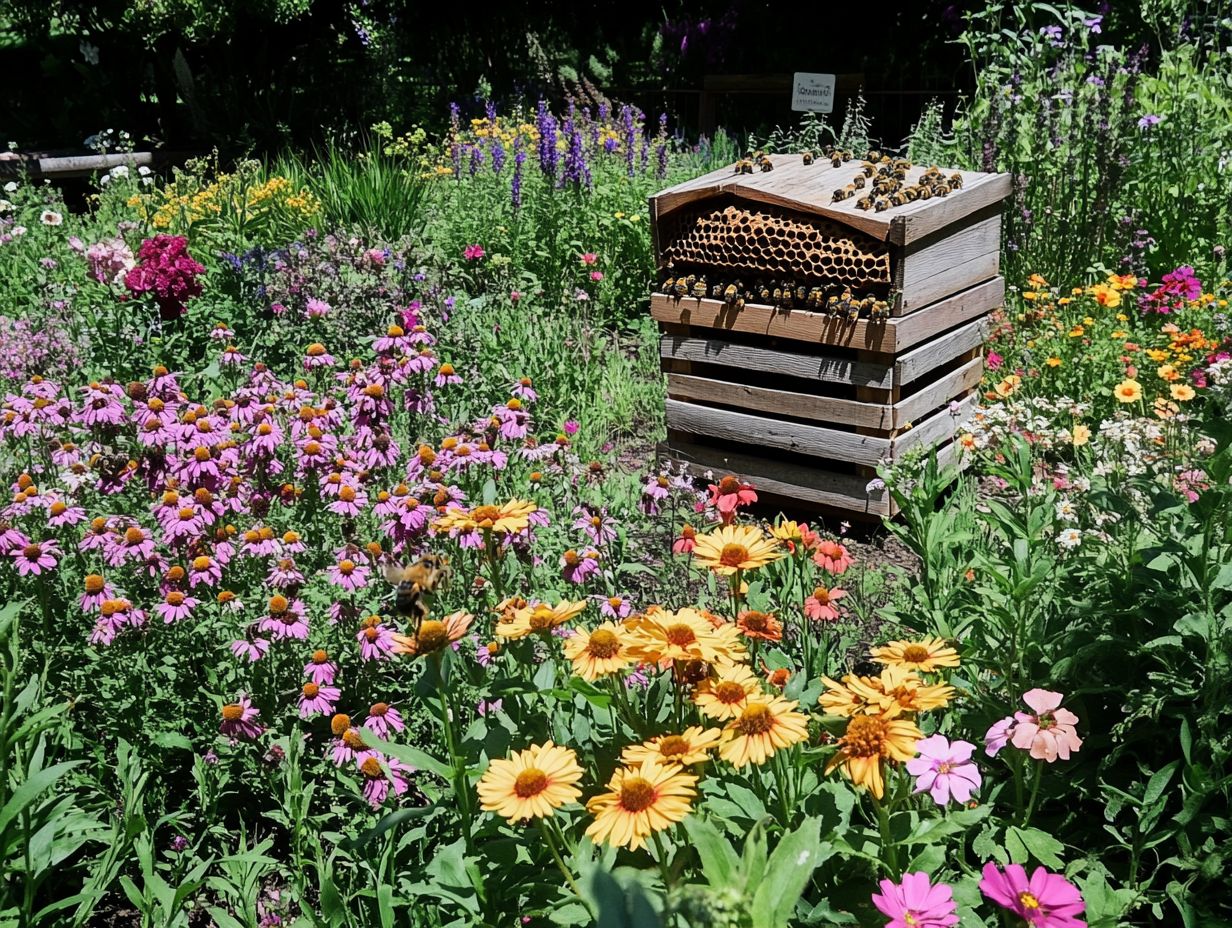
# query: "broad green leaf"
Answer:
x=720 y=862
x=418 y=759
x=788 y=873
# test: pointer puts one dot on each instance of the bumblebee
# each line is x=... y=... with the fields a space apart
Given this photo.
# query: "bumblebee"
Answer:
x=744 y=166
x=815 y=298
x=764 y=293
x=801 y=293
x=681 y=287
x=942 y=190
x=881 y=204
x=836 y=162
x=868 y=168
x=865 y=203
x=926 y=192
x=806 y=157
x=832 y=305
x=911 y=193
x=412 y=581
x=668 y=285
x=898 y=198
x=853 y=312
x=839 y=195
x=858 y=182
x=765 y=163
x=956 y=181
x=879 y=310
x=730 y=292
x=699 y=288
x=874 y=154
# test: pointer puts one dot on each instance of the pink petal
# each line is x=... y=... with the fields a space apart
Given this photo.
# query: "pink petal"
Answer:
x=1024 y=735
x=1042 y=700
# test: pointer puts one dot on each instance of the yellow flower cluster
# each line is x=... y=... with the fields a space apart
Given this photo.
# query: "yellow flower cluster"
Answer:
x=230 y=194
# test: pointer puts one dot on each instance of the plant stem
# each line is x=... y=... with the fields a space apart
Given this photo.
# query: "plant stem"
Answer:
x=1035 y=785
x=888 y=849
x=664 y=869
x=456 y=762
x=551 y=843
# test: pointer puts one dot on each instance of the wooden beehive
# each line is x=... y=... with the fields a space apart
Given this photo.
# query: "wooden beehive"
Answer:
x=801 y=400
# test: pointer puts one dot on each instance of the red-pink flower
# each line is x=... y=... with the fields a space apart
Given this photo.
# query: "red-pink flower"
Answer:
x=590 y=258
x=729 y=493
x=1046 y=900
x=820 y=606
x=833 y=557
x=473 y=252
x=916 y=903
x=686 y=542
x=1048 y=734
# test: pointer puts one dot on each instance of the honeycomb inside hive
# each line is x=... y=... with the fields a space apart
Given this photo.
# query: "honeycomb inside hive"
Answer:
x=742 y=238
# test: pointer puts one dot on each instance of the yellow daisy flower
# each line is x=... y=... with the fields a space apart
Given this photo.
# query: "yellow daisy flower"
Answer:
x=898 y=691
x=640 y=801
x=1182 y=392
x=869 y=740
x=926 y=655
x=530 y=784
x=660 y=637
x=434 y=635
x=541 y=617
x=735 y=547
x=692 y=746
x=726 y=692
x=765 y=725
x=1128 y=391
x=506 y=519
x=598 y=653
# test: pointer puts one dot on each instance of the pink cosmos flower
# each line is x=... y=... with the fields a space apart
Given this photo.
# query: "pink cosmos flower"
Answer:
x=483 y=706
x=473 y=252
x=317 y=699
x=382 y=719
x=820 y=606
x=239 y=719
x=250 y=649
x=944 y=769
x=916 y=903
x=1046 y=900
x=1048 y=734
x=998 y=736
x=377 y=783
x=833 y=557
x=36 y=557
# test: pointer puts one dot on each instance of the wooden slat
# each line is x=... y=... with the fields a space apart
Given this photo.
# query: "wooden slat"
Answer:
x=967 y=257
x=924 y=218
x=772 y=433
x=891 y=336
x=783 y=402
x=825 y=368
x=814 y=485
x=940 y=427
x=919 y=361
x=953 y=280
x=953 y=384
x=794 y=185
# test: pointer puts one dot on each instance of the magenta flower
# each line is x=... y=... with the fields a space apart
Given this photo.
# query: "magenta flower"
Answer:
x=61 y=514
x=473 y=252
x=250 y=649
x=1046 y=900
x=376 y=642
x=176 y=607
x=944 y=769
x=1048 y=734
x=239 y=719
x=317 y=699
x=590 y=258
x=916 y=903
x=578 y=568
x=348 y=575
x=320 y=669
x=382 y=719
x=376 y=783
x=992 y=360
x=615 y=607
x=35 y=557
x=166 y=271
x=316 y=309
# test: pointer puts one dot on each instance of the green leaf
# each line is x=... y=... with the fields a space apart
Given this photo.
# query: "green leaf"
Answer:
x=30 y=789
x=720 y=862
x=753 y=861
x=223 y=918
x=1041 y=845
x=332 y=908
x=748 y=800
x=788 y=873
x=418 y=759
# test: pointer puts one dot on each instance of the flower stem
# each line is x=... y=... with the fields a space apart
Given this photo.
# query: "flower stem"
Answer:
x=888 y=848
x=664 y=869
x=551 y=843
x=456 y=762
x=1035 y=786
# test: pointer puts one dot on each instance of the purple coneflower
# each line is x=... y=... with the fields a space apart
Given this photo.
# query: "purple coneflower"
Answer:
x=239 y=719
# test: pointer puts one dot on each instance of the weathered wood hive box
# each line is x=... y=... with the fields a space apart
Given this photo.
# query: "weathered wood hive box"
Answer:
x=807 y=338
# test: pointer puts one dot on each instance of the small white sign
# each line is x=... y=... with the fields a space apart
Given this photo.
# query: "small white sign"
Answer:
x=813 y=93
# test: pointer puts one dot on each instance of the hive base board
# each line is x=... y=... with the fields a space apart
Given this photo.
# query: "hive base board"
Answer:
x=796 y=487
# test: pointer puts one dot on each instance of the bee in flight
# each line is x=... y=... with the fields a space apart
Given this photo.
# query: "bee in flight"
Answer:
x=412 y=581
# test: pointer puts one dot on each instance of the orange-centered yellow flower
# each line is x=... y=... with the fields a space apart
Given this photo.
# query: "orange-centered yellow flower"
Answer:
x=505 y=519
x=434 y=635
x=766 y=724
x=660 y=637
x=1128 y=391
x=640 y=801
x=926 y=655
x=725 y=693
x=897 y=691
x=692 y=746
x=735 y=547
x=598 y=653
x=869 y=740
x=540 y=618
x=532 y=783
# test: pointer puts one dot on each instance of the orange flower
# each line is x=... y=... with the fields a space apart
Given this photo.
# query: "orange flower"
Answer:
x=759 y=625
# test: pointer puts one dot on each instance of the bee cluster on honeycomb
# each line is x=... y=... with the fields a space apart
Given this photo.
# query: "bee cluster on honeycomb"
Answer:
x=784 y=294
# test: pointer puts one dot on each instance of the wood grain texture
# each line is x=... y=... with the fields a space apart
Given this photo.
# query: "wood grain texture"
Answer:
x=809 y=188
x=969 y=256
x=893 y=336
x=814 y=485
x=920 y=219
x=932 y=354
x=826 y=368
x=954 y=384
x=941 y=426
x=764 y=400
x=809 y=440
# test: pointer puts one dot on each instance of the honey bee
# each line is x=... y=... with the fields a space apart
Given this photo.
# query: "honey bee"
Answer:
x=853 y=312
x=926 y=192
x=956 y=181
x=669 y=284
x=806 y=157
x=832 y=305
x=699 y=288
x=801 y=293
x=744 y=166
x=763 y=293
x=412 y=581
x=681 y=287
x=898 y=198
x=839 y=195
x=911 y=193
x=730 y=292
x=836 y=161
x=778 y=295
x=874 y=155
x=815 y=297
x=865 y=203
x=881 y=204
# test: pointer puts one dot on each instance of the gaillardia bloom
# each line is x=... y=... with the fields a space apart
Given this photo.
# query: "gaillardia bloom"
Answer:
x=664 y=638
x=896 y=691
x=433 y=634
x=692 y=746
x=640 y=801
x=759 y=625
x=869 y=740
x=735 y=547
x=765 y=725
x=506 y=519
x=532 y=783
x=926 y=655
x=725 y=693
x=542 y=618
x=598 y=653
